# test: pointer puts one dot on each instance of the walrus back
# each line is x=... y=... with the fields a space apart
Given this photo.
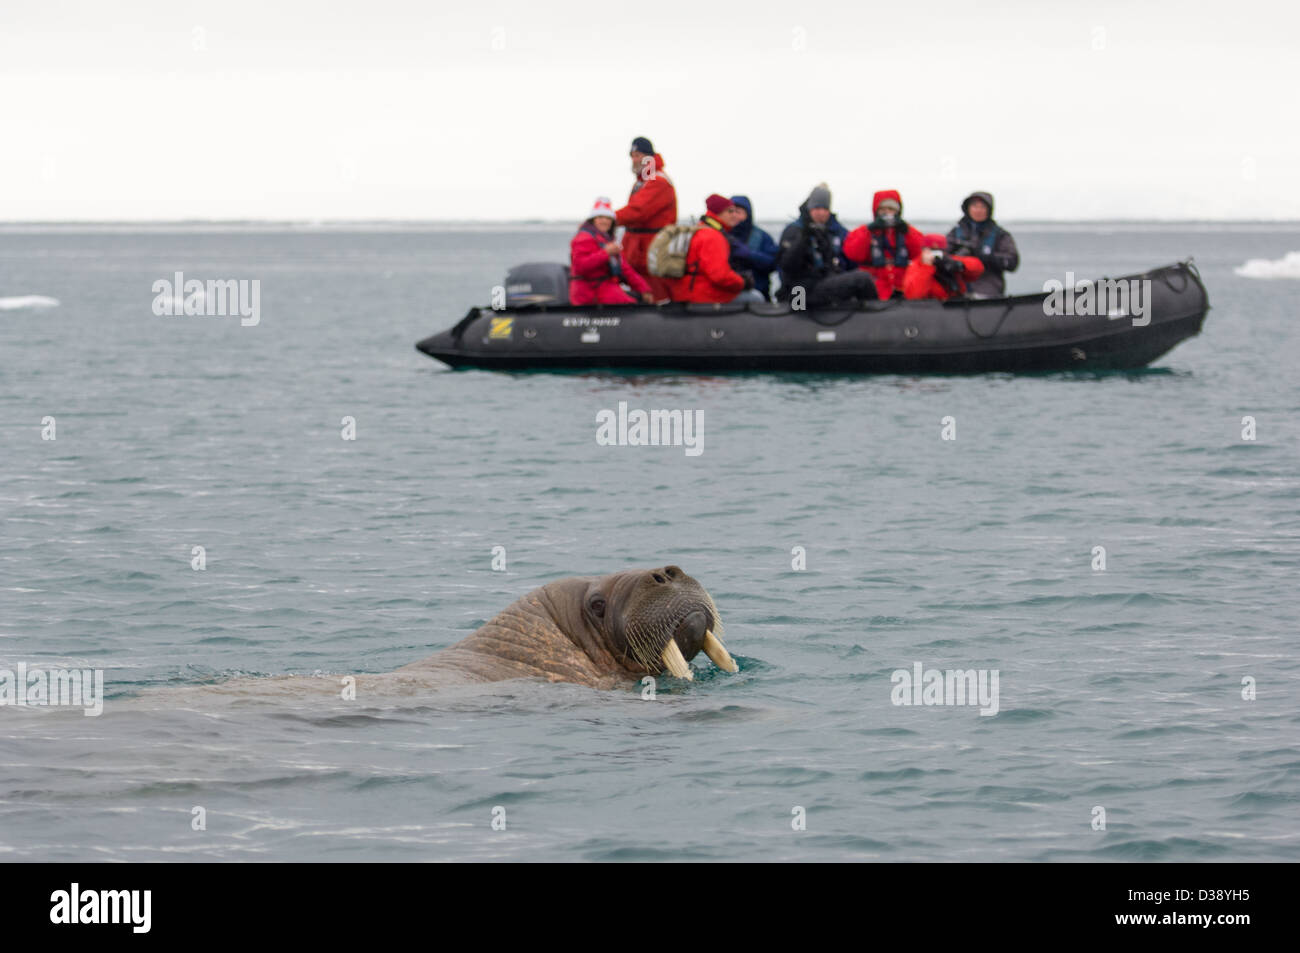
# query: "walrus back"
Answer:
x=521 y=641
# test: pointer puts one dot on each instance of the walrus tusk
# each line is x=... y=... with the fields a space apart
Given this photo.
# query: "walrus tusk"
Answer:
x=717 y=652
x=675 y=661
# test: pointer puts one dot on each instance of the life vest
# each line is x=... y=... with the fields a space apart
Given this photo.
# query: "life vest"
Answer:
x=823 y=251
x=900 y=255
x=615 y=269
x=970 y=237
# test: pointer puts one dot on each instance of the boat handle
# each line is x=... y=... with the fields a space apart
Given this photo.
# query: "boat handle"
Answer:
x=996 y=328
x=458 y=331
x=1165 y=276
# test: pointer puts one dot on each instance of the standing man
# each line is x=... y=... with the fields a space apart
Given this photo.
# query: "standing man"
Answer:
x=651 y=206
x=979 y=236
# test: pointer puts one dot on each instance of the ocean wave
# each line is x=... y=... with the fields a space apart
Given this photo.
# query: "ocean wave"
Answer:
x=19 y=302
x=1286 y=267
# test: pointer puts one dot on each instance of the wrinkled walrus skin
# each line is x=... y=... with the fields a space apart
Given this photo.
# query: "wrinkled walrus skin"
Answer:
x=594 y=631
x=597 y=631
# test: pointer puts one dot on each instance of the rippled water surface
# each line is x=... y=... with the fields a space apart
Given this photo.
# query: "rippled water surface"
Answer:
x=1119 y=689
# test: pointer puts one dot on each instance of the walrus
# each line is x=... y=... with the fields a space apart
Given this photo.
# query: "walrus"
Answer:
x=599 y=631
x=593 y=630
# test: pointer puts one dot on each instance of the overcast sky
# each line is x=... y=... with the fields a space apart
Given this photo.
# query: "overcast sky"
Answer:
x=253 y=109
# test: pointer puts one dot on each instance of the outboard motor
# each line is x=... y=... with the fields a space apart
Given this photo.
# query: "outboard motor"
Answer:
x=537 y=283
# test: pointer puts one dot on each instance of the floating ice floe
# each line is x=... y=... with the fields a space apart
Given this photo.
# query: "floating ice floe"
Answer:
x=19 y=302
x=1288 y=267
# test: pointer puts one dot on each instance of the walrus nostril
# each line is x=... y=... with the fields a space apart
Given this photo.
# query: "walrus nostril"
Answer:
x=672 y=572
x=658 y=577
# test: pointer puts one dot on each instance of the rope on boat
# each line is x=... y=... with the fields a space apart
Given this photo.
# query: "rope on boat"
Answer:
x=996 y=328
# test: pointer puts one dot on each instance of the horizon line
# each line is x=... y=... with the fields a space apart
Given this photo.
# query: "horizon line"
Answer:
x=316 y=222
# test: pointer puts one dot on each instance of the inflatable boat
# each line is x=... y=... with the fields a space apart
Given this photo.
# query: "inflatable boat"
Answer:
x=1100 y=325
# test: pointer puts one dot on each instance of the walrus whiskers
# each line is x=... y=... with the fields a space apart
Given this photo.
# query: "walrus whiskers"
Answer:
x=640 y=643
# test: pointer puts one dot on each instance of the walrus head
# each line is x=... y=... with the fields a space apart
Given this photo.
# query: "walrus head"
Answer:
x=652 y=620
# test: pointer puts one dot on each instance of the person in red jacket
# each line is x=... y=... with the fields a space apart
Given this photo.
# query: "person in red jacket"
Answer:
x=651 y=206
x=709 y=278
x=938 y=275
x=597 y=263
x=887 y=246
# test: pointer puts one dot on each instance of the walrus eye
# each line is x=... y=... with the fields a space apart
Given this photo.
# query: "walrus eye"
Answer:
x=597 y=606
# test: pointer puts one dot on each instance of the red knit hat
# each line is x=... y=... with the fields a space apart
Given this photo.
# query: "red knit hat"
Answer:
x=717 y=204
x=934 y=241
x=602 y=208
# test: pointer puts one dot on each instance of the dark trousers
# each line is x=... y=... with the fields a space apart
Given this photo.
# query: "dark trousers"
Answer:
x=842 y=289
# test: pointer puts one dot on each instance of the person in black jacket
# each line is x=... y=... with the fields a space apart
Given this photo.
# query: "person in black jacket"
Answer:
x=810 y=257
x=978 y=236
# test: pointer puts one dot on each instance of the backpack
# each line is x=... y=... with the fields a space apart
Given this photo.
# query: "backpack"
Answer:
x=666 y=257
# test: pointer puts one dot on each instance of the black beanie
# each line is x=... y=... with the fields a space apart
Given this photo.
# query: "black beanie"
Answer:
x=642 y=144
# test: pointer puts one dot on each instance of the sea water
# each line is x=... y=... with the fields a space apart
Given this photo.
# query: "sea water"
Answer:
x=1117 y=553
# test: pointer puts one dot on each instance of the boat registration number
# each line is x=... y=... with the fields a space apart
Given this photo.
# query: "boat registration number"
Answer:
x=583 y=321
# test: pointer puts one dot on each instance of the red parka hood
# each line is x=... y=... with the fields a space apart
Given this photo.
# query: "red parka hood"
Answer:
x=658 y=163
x=881 y=196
